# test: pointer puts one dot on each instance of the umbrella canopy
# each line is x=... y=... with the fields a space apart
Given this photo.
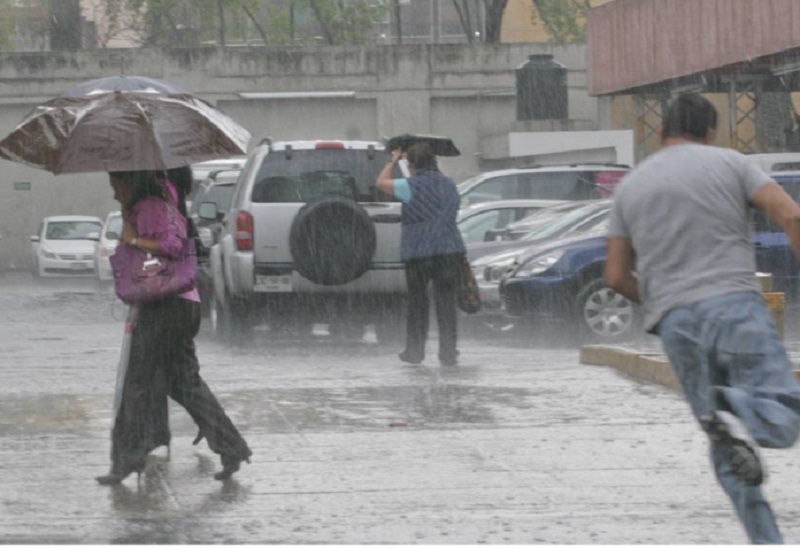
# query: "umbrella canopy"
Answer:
x=442 y=146
x=100 y=130
x=123 y=83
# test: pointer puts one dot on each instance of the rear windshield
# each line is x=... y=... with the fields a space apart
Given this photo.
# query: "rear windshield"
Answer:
x=321 y=173
x=220 y=195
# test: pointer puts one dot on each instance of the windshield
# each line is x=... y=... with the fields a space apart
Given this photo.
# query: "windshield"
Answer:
x=114 y=227
x=474 y=229
x=72 y=230
x=307 y=175
x=561 y=223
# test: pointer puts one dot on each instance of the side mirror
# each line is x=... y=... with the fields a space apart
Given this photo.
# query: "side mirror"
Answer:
x=112 y=235
x=35 y=238
x=207 y=211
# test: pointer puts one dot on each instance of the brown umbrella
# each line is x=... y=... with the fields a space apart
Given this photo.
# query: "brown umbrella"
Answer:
x=123 y=130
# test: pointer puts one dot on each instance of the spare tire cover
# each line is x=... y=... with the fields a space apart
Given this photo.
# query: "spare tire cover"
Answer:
x=332 y=241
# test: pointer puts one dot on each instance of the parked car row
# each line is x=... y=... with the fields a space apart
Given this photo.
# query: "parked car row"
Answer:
x=561 y=278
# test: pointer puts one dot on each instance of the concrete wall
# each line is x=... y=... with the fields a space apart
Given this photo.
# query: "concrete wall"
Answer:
x=466 y=92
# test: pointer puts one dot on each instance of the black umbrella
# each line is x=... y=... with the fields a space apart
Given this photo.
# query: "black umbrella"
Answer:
x=122 y=83
x=442 y=146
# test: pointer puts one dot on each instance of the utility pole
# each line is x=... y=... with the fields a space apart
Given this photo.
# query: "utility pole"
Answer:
x=221 y=20
x=398 y=25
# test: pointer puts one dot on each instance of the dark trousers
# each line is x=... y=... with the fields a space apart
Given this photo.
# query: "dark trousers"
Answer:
x=163 y=363
x=444 y=271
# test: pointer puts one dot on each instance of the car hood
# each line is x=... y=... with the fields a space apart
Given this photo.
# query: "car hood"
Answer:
x=83 y=247
x=584 y=240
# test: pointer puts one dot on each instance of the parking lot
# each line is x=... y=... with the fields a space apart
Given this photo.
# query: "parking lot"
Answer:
x=518 y=444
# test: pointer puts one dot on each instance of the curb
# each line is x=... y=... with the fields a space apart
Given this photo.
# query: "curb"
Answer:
x=649 y=367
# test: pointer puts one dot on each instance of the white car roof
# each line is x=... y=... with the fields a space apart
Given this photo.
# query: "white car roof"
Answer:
x=545 y=169
x=500 y=204
x=310 y=145
x=63 y=218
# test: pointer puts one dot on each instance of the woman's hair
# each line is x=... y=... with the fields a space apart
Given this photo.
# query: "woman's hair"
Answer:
x=181 y=178
x=144 y=184
x=690 y=116
x=421 y=156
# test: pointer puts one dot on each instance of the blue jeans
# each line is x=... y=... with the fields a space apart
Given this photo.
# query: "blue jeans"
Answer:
x=728 y=355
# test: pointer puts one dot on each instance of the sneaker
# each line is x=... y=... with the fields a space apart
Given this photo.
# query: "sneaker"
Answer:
x=408 y=358
x=732 y=436
x=448 y=360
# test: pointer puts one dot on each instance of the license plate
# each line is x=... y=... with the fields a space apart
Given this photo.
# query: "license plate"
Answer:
x=79 y=266
x=273 y=284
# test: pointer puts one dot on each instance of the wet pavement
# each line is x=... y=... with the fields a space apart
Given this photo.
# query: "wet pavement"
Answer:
x=518 y=444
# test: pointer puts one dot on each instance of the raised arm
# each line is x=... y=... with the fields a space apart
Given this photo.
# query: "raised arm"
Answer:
x=385 y=182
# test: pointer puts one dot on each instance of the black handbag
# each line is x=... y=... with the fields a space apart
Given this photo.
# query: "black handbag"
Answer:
x=469 y=294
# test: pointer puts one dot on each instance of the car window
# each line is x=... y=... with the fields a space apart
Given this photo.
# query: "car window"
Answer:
x=559 y=224
x=71 y=230
x=524 y=212
x=559 y=185
x=220 y=195
x=114 y=228
x=475 y=228
x=785 y=166
x=496 y=188
x=308 y=175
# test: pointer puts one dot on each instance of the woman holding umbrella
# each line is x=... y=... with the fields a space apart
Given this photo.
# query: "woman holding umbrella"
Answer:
x=162 y=360
x=431 y=247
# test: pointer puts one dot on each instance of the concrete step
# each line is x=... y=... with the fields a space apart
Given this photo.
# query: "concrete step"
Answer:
x=644 y=366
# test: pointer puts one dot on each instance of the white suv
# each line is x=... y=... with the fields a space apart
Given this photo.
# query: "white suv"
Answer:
x=309 y=239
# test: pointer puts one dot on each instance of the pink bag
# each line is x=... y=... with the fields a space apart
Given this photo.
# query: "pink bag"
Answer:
x=147 y=278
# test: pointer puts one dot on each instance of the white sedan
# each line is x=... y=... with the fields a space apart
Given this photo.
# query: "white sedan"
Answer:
x=65 y=246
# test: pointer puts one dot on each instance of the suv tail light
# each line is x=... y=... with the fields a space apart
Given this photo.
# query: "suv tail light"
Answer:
x=329 y=144
x=244 y=231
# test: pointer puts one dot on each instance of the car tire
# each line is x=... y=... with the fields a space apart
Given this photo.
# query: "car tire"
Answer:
x=603 y=315
x=332 y=241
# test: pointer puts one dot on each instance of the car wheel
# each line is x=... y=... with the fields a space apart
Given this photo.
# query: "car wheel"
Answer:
x=332 y=241
x=603 y=314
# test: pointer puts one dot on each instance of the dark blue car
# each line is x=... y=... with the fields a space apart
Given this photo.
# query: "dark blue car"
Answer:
x=565 y=280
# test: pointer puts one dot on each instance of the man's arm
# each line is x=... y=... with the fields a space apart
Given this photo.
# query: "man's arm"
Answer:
x=619 y=268
x=782 y=210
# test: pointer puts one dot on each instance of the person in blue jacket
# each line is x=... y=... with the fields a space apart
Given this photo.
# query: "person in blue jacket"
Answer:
x=431 y=248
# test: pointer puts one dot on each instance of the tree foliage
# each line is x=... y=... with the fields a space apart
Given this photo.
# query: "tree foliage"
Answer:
x=565 y=20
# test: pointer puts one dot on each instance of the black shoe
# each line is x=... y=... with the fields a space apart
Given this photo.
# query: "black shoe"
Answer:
x=449 y=359
x=115 y=477
x=733 y=438
x=409 y=358
x=231 y=465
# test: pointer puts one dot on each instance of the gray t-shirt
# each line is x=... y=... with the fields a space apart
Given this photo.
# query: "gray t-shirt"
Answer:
x=685 y=211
